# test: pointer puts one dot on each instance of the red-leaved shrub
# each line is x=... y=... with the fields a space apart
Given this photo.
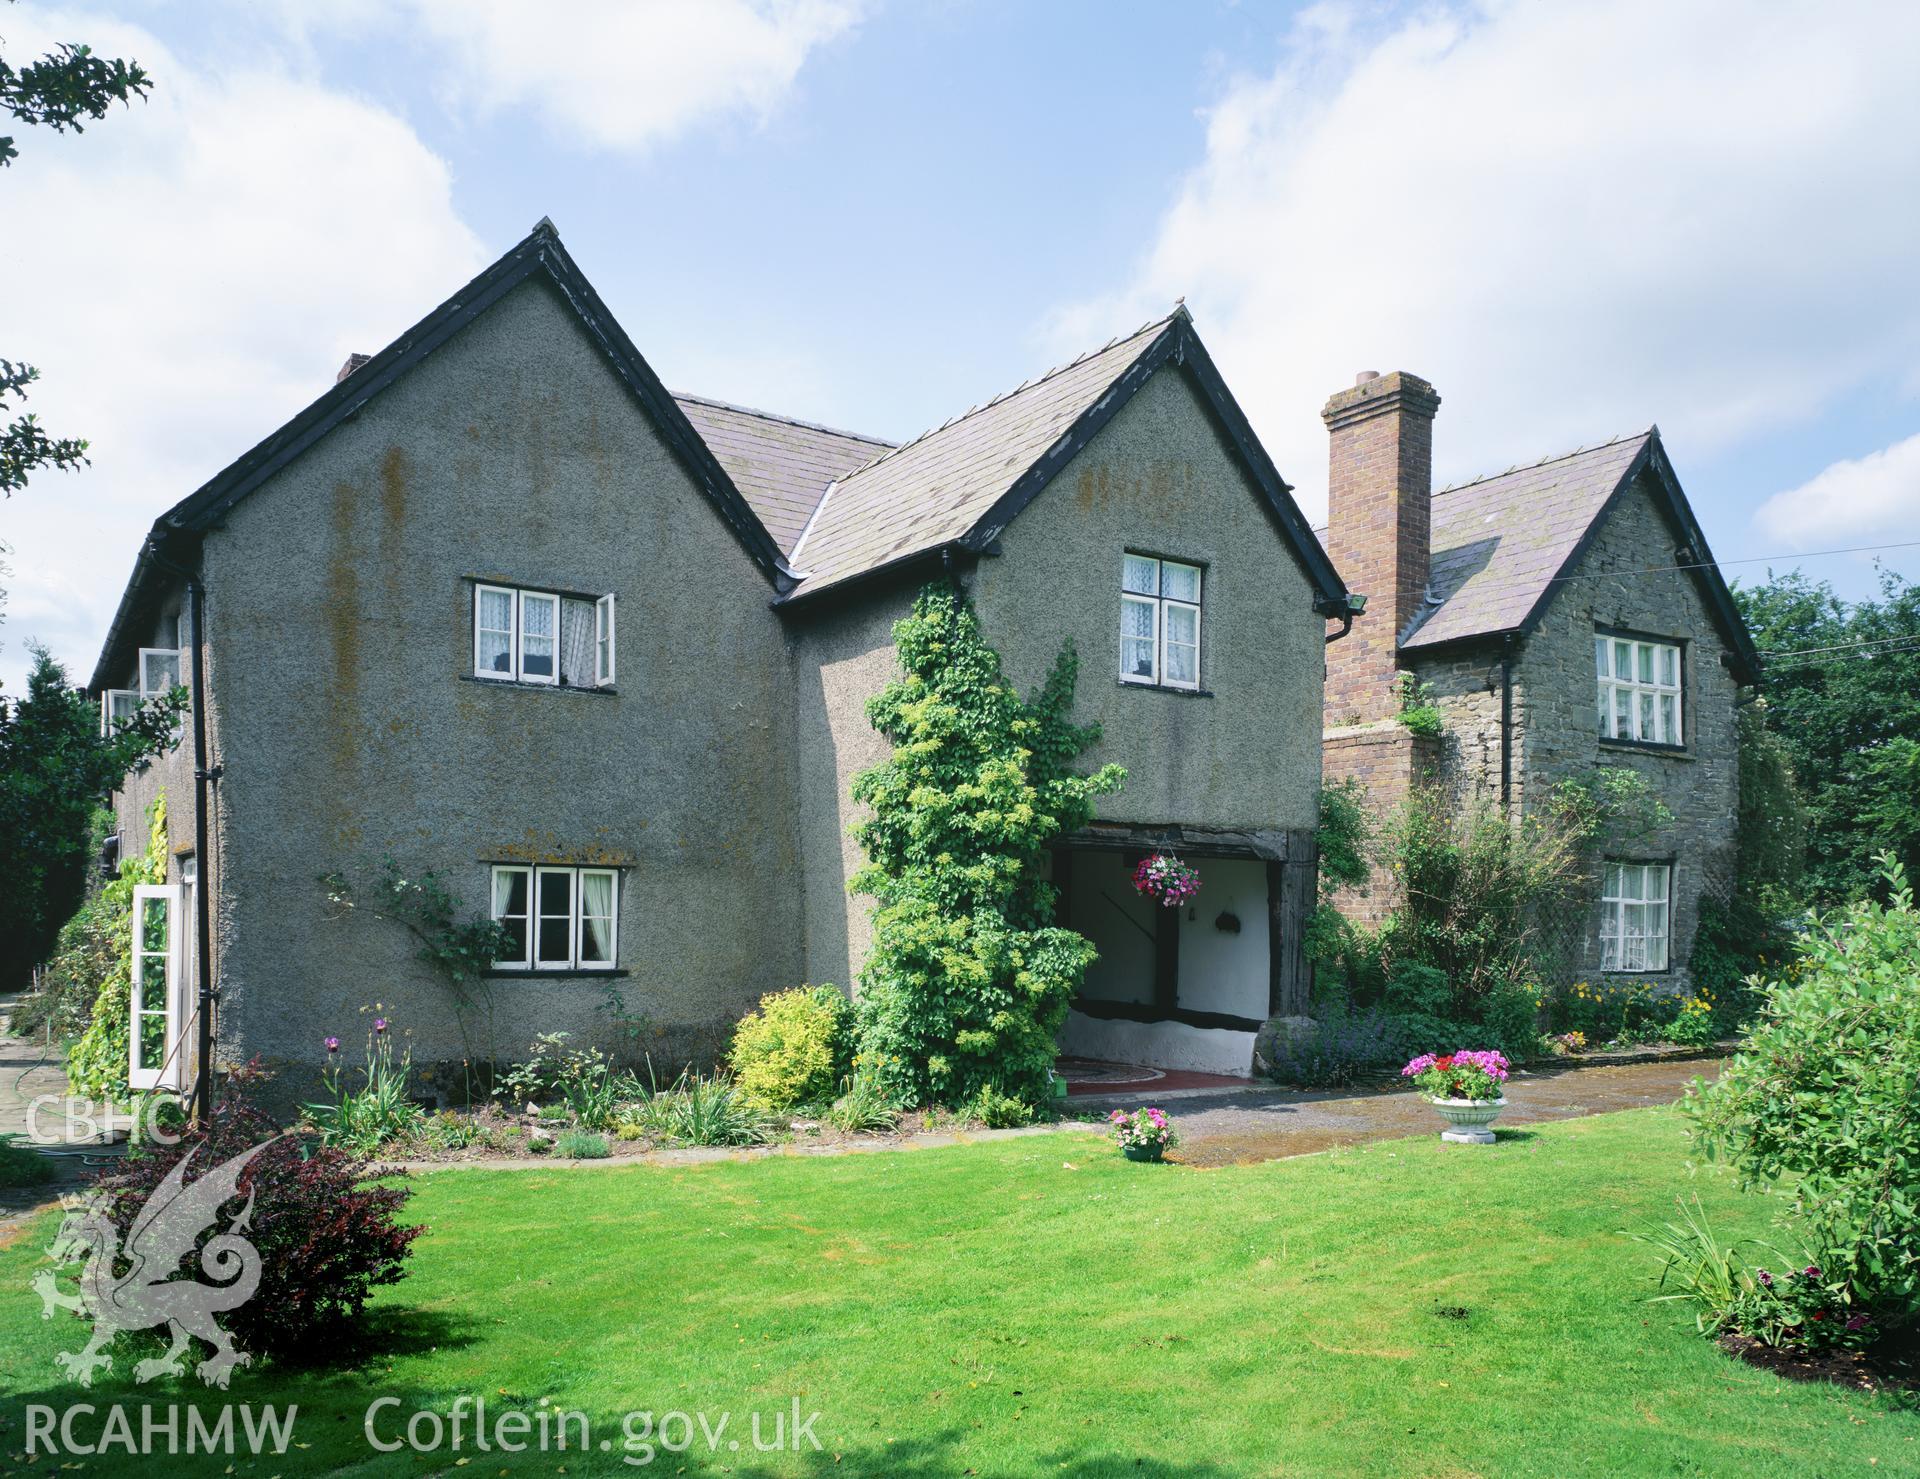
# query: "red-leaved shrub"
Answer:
x=326 y=1236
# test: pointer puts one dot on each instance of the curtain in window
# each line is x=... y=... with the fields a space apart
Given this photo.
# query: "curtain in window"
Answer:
x=596 y=918
x=576 y=643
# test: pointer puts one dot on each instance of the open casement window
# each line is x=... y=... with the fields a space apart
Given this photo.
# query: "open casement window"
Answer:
x=557 y=919
x=1159 y=622
x=1640 y=690
x=1635 y=907
x=522 y=636
x=117 y=706
x=156 y=1056
x=603 y=640
x=160 y=669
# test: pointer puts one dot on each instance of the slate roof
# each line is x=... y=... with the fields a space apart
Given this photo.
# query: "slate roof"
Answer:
x=1502 y=545
x=1499 y=542
x=936 y=488
x=781 y=466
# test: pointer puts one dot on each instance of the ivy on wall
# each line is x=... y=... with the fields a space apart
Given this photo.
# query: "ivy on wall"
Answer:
x=99 y=941
x=968 y=980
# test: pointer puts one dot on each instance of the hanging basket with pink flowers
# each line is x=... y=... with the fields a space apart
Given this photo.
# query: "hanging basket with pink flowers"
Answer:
x=1166 y=880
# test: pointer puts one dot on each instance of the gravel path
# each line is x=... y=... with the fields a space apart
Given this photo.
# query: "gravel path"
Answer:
x=1229 y=1129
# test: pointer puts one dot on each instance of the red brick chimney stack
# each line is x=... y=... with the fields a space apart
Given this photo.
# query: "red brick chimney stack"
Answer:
x=1379 y=528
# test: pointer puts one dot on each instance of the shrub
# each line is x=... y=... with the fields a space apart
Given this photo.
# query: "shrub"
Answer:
x=581 y=1145
x=365 y=1118
x=863 y=1107
x=1419 y=989
x=1694 y=1026
x=1510 y=1019
x=997 y=1110
x=22 y=1165
x=968 y=980
x=1822 y=1101
x=793 y=1048
x=1346 y=1047
x=97 y=946
x=1418 y=712
x=327 y=1232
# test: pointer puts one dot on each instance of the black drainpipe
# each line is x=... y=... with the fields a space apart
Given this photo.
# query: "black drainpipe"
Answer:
x=203 y=778
x=1347 y=610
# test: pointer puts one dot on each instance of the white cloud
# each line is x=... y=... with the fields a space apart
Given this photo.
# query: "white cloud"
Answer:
x=624 y=74
x=187 y=274
x=1574 y=219
x=1862 y=499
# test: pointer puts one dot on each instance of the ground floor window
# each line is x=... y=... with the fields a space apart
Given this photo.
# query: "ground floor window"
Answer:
x=557 y=918
x=1635 y=907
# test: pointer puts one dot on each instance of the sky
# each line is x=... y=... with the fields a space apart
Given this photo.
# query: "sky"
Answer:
x=1574 y=219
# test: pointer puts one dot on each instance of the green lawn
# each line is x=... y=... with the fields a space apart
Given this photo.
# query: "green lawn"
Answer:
x=1039 y=1306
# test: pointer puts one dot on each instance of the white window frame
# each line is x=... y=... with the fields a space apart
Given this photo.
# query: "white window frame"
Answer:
x=1159 y=603
x=513 y=635
x=580 y=919
x=1616 y=692
x=1617 y=948
x=179 y=670
x=525 y=962
x=532 y=960
x=142 y=985
x=516 y=671
x=108 y=723
x=526 y=598
x=603 y=640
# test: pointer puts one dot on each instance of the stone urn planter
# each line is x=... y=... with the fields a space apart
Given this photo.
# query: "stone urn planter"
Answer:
x=1469 y=1121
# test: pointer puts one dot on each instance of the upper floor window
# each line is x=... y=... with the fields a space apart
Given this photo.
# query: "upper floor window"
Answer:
x=1159 y=622
x=1635 y=903
x=557 y=918
x=1639 y=690
x=158 y=673
x=542 y=637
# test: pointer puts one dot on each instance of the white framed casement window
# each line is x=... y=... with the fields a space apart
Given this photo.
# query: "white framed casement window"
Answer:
x=557 y=919
x=1636 y=905
x=159 y=671
x=512 y=911
x=524 y=636
x=153 y=1023
x=495 y=632
x=1640 y=692
x=117 y=706
x=553 y=917
x=596 y=941
x=603 y=640
x=1160 y=603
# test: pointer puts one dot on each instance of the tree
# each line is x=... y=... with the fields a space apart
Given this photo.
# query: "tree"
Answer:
x=1849 y=719
x=969 y=978
x=58 y=91
x=55 y=768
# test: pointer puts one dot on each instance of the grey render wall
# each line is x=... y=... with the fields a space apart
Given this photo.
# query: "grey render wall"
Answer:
x=1158 y=478
x=339 y=608
x=1556 y=724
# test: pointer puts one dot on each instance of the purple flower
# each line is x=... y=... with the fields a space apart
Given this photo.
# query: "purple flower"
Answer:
x=1812 y=1272
x=379 y=1024
x=1766 y=1279
x=1858 y=1322
x=333 y=1045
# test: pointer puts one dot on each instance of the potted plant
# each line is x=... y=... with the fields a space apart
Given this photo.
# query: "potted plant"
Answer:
x=1144 y=1135
x=1466 y=1087
x=1167 y=880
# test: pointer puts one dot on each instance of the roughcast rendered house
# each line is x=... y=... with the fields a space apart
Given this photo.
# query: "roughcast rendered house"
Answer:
x=500 y=607
x=1567 y=615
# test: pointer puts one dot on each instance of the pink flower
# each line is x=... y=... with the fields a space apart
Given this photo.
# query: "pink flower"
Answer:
x=333 y=1045
x=379 y=1024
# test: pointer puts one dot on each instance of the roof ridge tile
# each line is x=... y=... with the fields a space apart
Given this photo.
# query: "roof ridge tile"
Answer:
x=1553 y=457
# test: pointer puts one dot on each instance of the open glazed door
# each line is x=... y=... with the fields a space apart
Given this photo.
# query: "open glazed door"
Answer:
x=156 y=1057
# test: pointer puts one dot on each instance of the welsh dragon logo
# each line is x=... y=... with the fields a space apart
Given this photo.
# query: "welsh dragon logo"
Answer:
x=166 y=1229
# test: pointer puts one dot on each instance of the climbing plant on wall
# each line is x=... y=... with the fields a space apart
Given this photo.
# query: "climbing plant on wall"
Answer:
x=968 y=980
x=99 y=941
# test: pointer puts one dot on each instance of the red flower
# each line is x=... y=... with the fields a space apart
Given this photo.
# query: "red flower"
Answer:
x=1446 y=1062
